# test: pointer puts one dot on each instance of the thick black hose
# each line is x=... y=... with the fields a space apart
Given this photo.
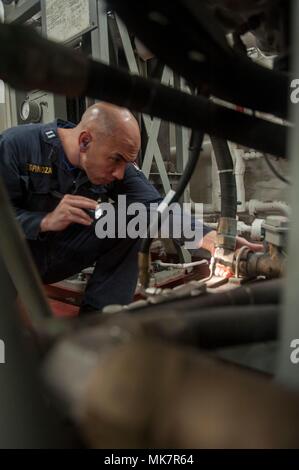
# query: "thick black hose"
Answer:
x=195 y=148
x=227 y=178
x=29 y=61
x=220 y=327
x=195 y=112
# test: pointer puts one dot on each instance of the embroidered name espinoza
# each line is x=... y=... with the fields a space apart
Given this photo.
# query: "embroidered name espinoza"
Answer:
x=45 y=170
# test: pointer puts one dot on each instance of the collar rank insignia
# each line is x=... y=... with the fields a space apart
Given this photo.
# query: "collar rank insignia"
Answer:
x=50 y=134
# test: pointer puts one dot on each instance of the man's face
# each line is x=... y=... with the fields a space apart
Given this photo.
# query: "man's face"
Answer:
x=105 y=160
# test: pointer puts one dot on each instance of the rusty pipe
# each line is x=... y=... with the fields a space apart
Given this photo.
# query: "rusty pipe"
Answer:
x=270 y=264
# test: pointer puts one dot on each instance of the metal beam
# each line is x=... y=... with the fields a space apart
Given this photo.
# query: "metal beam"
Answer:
x=22 y=13
x=100 y=36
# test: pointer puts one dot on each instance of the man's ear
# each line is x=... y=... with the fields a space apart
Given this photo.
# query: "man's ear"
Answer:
x=84 y=140
x=83 y=146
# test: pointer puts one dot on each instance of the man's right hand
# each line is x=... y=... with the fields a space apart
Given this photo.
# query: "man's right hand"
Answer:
x=69 y=211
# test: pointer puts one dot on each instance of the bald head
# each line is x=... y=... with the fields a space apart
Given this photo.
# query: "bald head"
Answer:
x=110 y=122
x=103 y=143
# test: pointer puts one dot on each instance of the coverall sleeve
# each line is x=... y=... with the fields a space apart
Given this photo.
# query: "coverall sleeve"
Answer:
x=138 y=188
x=10 y=170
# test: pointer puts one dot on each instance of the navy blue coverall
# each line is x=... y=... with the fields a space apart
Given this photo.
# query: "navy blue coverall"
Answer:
x=37 y=174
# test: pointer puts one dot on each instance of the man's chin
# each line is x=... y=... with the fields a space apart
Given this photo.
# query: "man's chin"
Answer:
x=101 y=181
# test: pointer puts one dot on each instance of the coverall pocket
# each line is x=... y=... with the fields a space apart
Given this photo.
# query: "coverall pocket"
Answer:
x=39 y=194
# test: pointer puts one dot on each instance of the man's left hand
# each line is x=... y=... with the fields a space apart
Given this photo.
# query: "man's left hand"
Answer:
x=209 y=243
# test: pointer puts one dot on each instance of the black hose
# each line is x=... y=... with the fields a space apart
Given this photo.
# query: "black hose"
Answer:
x=227 y=178
x=195 y=146
x=220 y=327
x=204 y=327
x=64 y=71
x=192 y=43
x=195 y=112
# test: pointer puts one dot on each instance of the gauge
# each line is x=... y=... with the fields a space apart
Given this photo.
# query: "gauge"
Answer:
x=30 y=111
x=25 y=110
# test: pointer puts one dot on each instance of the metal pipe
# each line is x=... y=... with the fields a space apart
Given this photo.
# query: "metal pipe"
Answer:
x=176 y=398
x=271 y=265
x=240 y=169
x=257 y=293
x=241 y=226
x=180 y=265
x=27 y=421
x=19 y=262
x=254 y=207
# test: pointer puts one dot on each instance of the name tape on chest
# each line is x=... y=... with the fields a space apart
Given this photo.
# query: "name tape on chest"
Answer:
x=38 y=169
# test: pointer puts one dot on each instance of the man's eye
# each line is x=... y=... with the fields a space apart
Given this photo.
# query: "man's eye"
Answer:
x=116 y=159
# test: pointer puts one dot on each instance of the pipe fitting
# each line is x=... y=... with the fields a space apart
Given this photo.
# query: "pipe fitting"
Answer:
x=249 y=264
x=226 y=233
x=255 y=207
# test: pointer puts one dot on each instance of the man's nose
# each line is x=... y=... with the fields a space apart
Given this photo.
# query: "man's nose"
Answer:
x=119 y=172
